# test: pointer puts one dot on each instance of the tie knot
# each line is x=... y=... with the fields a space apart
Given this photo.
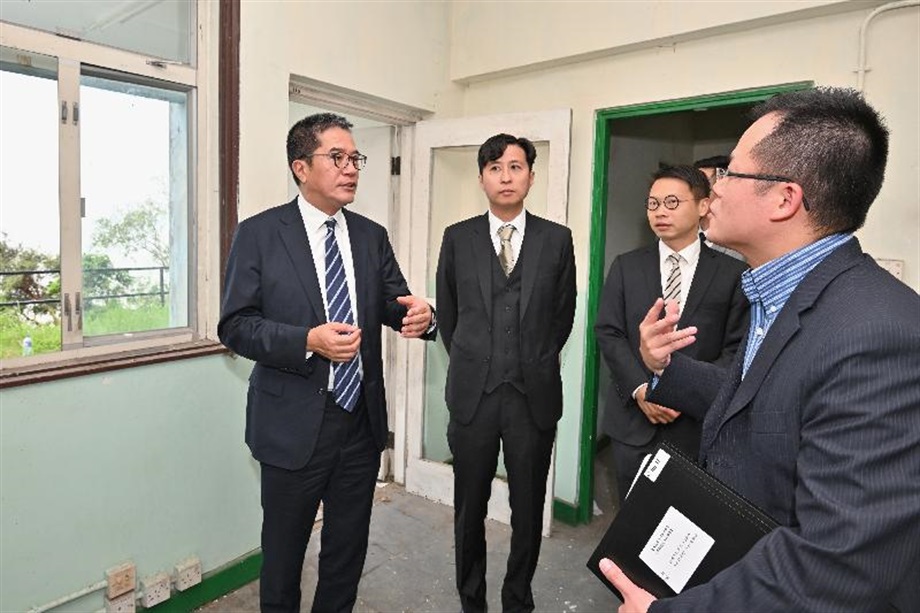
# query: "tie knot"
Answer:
x=330 y=224
x=505 y=231
x=673 y=259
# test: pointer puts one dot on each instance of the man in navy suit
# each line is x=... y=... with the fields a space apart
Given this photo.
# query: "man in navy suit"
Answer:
x=818 y=419
x=308 y=287
x=506 y=303
x=707 y=287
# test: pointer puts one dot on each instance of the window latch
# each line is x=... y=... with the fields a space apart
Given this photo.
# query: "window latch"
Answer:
x=64 y=112
x=78 y=309
x=76 y=113
x=67 y=312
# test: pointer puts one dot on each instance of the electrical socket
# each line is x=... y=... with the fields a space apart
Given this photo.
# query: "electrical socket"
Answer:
x=188 y=573
x=156 y=590
x=121 y=604
x=120 y=579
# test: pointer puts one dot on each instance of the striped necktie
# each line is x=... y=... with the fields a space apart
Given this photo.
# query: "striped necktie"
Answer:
x=672 y=287
x=345 y=375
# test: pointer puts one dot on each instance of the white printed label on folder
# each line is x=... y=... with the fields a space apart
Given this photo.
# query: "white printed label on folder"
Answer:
x=676 y=549
x=657 y=464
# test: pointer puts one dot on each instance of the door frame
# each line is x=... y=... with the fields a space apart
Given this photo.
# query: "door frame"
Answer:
x=603 y=121
x=421 y=476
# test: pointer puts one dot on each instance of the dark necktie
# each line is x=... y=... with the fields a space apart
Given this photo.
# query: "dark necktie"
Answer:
x=672 y=287
x=506 y=253
x=345 y=375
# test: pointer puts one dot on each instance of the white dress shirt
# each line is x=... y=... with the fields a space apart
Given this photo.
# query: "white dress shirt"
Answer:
x=517 y=237
x=314 y=222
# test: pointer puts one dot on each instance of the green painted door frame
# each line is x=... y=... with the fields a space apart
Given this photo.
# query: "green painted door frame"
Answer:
x=602 y=129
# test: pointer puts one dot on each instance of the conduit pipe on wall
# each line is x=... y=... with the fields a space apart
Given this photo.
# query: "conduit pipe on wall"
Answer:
x=70 y=597
x=861 y=69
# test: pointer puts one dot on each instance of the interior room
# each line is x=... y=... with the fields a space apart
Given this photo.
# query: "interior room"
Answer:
x=138 y=134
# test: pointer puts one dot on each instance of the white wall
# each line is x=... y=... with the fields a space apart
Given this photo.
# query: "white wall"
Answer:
x=392 y=50
x=822 y=49
x=491 y=37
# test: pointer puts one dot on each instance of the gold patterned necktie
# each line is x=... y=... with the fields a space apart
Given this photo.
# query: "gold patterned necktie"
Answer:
x=506 y=253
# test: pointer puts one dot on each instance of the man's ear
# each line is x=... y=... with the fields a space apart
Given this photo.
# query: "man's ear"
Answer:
x=703 y=207
x=299 y=167
x=788 y=202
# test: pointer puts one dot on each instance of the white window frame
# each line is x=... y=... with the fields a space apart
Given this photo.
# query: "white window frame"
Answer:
x=200 y=77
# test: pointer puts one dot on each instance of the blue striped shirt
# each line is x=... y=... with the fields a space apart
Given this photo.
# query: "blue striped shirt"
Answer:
x=769 y=286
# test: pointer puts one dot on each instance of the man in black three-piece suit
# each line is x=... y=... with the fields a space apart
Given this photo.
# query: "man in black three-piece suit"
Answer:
x=704 y=282
x=506 y=303
x=817 y=421
x=308 y=287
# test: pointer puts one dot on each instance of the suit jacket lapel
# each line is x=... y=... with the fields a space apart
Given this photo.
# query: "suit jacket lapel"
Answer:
x=359 y=239
x=483 y=252
x=788 y=323
x=529 y=258
x=779 y=335
x=294 y=236
x=702 y=278
x=651 y=276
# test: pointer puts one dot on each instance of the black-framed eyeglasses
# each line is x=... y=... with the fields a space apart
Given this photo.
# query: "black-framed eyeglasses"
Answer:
x=669 y=202
x=341 y=159
x=722 y=173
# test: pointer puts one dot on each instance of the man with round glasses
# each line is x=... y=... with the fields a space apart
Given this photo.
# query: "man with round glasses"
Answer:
x=706 y=285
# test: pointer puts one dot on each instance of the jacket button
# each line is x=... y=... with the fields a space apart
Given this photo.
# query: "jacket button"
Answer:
x=486 y=359
x=320 y=391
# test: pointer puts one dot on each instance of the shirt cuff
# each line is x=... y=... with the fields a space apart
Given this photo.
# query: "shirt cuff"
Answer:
x=636 y=391
x=434 y=322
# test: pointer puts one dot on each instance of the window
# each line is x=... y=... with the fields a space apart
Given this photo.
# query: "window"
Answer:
x=98 y=197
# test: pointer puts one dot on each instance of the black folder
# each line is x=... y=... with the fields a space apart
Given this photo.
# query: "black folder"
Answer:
x=683 y=521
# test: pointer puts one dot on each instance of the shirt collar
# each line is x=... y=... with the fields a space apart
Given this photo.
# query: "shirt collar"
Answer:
x=518 y=222
x=313 y=218
x=772 y=283
x=690 y=253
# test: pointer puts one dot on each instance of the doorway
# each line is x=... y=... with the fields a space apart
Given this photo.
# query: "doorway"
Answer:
x=630 y=144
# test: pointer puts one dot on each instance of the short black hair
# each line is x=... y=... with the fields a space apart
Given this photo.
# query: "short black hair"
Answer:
x=715 y=161
x=834 y=144
x=303 y=137
x=693 y=177
x=495 y=147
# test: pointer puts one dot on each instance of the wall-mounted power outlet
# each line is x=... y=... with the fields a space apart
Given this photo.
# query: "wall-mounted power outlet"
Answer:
x=156 y=590
x=120 y=579
x=121 y=604
x=188 y=573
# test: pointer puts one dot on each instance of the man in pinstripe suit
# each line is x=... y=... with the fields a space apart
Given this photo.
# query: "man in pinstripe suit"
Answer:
x=818 y=419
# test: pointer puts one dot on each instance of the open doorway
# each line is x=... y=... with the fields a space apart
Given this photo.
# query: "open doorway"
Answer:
x=630 y=144
x=639 y=146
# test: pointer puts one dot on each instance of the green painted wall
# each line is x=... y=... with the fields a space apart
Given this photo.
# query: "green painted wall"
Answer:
x=146 y=464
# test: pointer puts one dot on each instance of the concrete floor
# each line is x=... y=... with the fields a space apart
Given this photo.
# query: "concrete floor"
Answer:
x=410 y=559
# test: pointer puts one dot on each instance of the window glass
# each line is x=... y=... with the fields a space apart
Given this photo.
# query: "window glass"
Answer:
x=151 y=27
x=134 y=185
x=30 y=279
